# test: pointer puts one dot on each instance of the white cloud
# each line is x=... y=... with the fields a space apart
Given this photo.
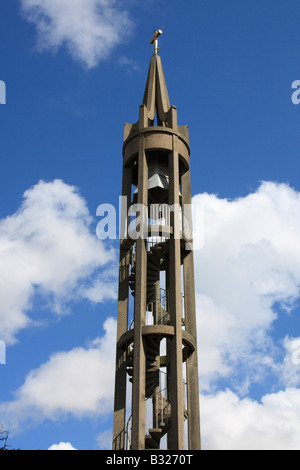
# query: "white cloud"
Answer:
x=231 y=423
x=89 y=29
x=79 y=382
x=130 y=65
x=104 y=440
x=249 y=262
x=62 y=446
x=47 y=246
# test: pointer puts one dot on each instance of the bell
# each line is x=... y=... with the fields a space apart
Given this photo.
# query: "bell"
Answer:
x=158 y=183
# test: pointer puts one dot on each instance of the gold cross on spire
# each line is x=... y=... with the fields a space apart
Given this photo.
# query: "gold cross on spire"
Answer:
x=154 y=40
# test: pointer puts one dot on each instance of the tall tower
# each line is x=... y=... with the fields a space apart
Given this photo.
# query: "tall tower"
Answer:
x=156 y=356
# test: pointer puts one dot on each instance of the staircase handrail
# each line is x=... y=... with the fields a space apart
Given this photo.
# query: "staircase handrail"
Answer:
x=128 y=433
x=160 y=415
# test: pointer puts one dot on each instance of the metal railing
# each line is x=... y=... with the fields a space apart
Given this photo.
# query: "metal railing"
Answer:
x=157 y=311
x=157 y=410
x=157 y=415
x=155 y=240
x=128 y=433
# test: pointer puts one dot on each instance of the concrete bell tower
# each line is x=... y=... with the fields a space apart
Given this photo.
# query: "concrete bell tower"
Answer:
x=156 y=354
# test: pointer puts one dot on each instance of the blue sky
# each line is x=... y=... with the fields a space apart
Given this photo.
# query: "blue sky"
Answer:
x=75 y=71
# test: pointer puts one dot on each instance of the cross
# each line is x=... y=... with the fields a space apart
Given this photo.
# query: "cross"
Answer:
x=154 y=40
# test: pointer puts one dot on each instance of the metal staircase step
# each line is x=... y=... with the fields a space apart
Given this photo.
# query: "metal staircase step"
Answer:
x=150 y=443
x=156 y=434
x=152 y=439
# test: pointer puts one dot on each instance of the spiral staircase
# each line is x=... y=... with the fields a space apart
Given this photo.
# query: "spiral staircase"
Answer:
x=157 y=314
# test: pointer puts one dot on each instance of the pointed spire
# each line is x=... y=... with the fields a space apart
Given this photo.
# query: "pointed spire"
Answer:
x=156 y=100
x=156 y=93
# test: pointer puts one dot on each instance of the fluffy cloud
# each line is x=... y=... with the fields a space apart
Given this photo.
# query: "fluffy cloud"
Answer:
x=89 y=29
x=47 y=247
x=62 y=446
x=79 y=382
x=231 y=423
x=249 y=264
x=104 y=440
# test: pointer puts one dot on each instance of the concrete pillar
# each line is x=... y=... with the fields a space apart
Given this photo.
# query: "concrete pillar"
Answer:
x=191 y=327
x=139 y=359
x=122 y=326
x=176 y=432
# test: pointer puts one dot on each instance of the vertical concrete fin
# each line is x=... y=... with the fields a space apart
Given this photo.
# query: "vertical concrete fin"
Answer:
x=156 y=94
